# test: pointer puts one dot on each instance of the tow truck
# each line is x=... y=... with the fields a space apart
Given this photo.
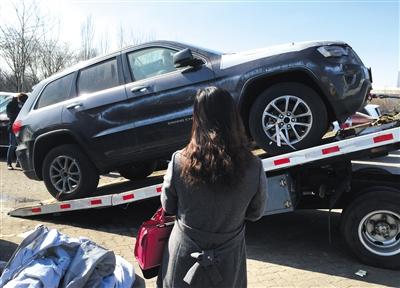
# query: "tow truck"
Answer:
x=337 y=174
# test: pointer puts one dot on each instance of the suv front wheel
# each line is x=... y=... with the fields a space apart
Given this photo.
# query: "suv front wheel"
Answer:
x=288 y=116
x=68 y=173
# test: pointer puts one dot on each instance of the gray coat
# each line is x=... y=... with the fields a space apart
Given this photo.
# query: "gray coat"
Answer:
x=207 y=245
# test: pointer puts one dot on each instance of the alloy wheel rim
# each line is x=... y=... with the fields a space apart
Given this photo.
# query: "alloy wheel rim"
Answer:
x=287 y=117
x=379 y=232
x=65 y=174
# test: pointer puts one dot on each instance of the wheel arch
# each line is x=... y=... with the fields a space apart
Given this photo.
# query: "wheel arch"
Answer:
x=347 y=200
x=374 y=170
x=256 y=85
x=47 y=141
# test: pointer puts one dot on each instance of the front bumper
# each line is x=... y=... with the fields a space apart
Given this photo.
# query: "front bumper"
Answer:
x=348 y=88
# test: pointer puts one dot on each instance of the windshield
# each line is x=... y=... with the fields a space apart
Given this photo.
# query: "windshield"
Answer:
x=4 y=100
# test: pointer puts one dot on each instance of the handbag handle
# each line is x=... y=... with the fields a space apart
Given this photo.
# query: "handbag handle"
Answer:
x=159 y=216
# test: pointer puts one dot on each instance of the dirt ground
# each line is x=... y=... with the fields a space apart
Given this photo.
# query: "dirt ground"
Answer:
x=287 y=250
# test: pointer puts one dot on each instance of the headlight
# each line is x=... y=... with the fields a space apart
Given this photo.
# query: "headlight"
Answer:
x=333 y=51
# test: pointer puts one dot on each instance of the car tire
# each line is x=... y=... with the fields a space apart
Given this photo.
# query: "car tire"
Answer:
x=382 y=206
x=80 y=178
x=262 y=126
x=138 y=171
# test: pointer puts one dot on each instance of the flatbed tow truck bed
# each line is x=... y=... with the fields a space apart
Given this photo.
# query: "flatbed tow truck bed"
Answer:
x=331 y=175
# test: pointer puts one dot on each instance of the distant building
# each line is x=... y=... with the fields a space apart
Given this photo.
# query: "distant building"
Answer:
x=398 y=79
x=391 y=101
x=389 y=91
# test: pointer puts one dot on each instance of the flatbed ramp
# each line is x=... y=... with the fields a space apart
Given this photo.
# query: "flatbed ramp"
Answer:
x=381 y=138
x=105 y=196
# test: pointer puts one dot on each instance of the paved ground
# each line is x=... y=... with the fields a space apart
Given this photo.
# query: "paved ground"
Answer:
x=288 y=250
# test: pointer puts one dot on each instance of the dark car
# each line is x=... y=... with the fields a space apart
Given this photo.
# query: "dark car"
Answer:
x=126 y=110
x=5 y=98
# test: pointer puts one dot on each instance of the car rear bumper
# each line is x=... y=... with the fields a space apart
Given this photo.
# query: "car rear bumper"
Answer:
x=26 y=162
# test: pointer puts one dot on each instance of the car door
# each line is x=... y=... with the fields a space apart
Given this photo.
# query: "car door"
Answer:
x=162 y=97
x=98 y=114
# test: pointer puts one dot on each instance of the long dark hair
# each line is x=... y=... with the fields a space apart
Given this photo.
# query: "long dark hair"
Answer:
x=218 y=150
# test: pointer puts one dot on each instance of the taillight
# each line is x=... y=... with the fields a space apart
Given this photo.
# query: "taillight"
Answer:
x=344 y=125
x=348 y=123
x=16 y=127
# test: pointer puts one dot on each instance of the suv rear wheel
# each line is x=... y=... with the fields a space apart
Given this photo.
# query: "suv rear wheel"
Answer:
x=286 y=116
x=138 y=170
x=68 y=173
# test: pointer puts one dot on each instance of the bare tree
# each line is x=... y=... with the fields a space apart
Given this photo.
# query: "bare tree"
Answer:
x=104 y=43
x=121 y=37
x=139 y=37
x=19 y=42
x=51 y=54
x=128 y=37
x=33 y=68
x=53 y=57
x=31 y=48
x=6 y=81
x=87 y=39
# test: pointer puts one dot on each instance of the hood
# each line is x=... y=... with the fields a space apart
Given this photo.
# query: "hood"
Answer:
x=3 y=117
x=230 y=60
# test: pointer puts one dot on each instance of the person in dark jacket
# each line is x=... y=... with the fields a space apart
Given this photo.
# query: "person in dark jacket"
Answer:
x=13 y=109
x=212 y=186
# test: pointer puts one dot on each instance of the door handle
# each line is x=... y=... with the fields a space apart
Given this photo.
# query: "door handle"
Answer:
x=140 y=89
x=74 y=105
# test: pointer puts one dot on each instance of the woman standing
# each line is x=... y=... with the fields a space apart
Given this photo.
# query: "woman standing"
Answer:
x=212 y=186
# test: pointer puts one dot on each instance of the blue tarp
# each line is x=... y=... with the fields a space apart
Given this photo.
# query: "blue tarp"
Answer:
x=47 y=258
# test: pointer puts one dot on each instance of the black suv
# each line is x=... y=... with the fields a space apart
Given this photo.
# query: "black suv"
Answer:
x=126 y=110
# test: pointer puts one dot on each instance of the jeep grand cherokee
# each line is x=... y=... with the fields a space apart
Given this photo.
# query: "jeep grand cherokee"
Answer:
x=125 y=110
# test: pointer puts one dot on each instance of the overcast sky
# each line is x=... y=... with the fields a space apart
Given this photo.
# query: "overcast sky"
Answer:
x=370 y=27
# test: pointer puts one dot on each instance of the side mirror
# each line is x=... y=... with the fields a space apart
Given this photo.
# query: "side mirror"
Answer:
x=185 y=58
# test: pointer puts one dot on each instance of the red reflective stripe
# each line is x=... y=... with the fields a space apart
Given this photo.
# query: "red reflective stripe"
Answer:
x=65 y=206
x=128 y=197
x=158 y=189
x=36 y=210
x=281 y=161
x=330 y=150
x=95 y=202
x=382 y=138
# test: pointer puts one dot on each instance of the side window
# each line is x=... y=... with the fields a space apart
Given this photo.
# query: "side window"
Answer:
x=151 y=62
x=56 y=91
x=98 y=77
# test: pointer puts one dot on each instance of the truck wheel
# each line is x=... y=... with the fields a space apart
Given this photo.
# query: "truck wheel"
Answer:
x=68 y=173
x=138 y=170
x=288 y=110
x=371 y=227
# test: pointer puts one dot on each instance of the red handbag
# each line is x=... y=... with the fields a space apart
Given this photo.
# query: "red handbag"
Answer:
x=150 y=241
